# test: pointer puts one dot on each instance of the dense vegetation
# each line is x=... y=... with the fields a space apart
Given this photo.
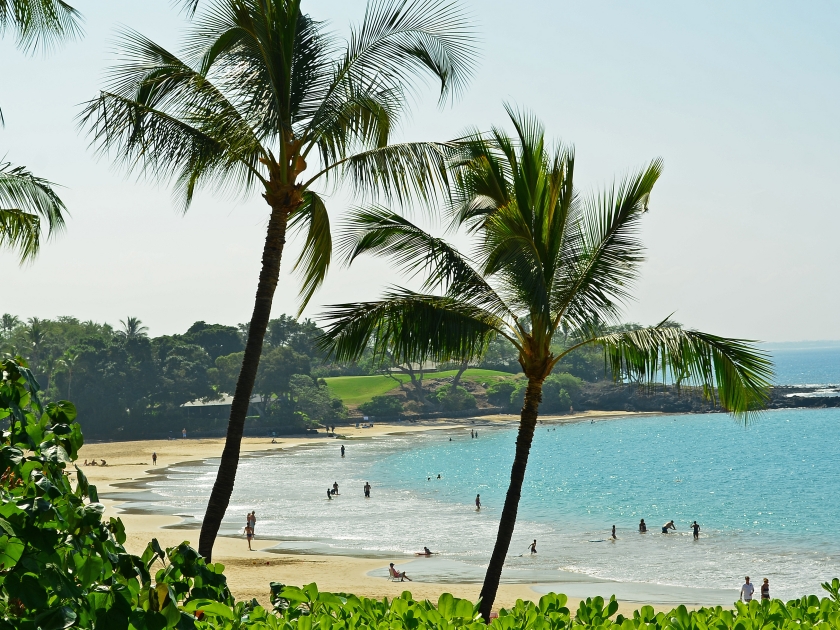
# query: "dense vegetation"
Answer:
x=65 y=565
x=127 y=384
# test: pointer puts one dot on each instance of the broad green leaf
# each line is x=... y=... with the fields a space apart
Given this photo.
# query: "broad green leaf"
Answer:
x=218 y=609
x=88 y=569
x=56 y=619
x=11 y=549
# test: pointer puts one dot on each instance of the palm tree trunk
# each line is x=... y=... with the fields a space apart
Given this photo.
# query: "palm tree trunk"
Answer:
x=223 y=487
x=527 y=423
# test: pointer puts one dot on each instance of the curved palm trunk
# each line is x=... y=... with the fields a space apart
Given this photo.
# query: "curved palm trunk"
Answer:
x=527 y=424
x=225 y=477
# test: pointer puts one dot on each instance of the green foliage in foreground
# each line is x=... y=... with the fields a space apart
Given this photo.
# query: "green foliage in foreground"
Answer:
x=63 y=565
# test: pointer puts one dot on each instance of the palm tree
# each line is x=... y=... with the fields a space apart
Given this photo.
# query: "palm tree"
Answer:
x=8 y=323
x=68 y=362
x=27 y=200
x=132 y=328
x=543 y=257
x=260 y=91
x=36 y=336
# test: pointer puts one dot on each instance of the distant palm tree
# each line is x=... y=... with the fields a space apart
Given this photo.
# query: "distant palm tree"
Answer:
x=8 y=323
x=543 y=257
x=132 y=328
x=26 y=200
x=264 y=99
x=68 y=361
x=36 y=336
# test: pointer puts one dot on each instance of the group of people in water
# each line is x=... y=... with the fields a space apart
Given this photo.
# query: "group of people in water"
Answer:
x=669 y=526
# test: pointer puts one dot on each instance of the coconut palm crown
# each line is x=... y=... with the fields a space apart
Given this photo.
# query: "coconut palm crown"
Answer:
x=262 y=98
x=545 y=259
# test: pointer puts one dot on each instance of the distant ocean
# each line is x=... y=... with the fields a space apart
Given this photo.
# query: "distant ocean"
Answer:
x=763 y=493
x=806 y=364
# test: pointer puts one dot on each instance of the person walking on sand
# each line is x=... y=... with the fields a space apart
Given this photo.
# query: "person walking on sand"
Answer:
x=184 y=433
x=613 y=533
x=696 y=529
x=667 y=526
x=367 y=490
x=765 y=589
x=642 y=527
x=249 y=534
x=477 y=502
x=747 y=591
x=533 y=546
x=342 y=450
x=154 y=458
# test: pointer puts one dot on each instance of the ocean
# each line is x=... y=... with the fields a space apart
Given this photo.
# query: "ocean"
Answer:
x=762 y=492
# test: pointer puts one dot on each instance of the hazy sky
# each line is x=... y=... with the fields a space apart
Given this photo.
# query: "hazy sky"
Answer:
x=741 y=100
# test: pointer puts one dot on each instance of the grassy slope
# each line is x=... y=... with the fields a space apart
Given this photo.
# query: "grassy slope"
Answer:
x=354 y=390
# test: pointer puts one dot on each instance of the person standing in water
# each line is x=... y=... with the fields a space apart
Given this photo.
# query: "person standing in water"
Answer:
x=154 y=458
x=477 y=502
x=533 y=546
x=367 y=490
x=642 y=526
x=335 y=487
x=342 y=450
x=696 y=529
x=329 y=493
x=765 y=589
x=667 y=526
x=613 y=533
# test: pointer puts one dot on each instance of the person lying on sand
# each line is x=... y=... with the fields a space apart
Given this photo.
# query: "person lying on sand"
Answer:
x=398 y=574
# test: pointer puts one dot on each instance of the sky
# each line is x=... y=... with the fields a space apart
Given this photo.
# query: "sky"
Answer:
x=740 y=100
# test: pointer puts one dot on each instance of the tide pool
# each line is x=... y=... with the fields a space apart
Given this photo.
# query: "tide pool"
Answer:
x=762 y=493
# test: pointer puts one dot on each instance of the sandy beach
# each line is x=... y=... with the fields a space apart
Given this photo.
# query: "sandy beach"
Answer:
x=249 y=573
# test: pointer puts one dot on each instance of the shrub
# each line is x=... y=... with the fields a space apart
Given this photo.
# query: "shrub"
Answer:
x=457 y=399
x=498 y=393
x=382 y=406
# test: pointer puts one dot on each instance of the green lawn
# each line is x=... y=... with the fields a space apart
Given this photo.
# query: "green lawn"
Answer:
x=354 y=390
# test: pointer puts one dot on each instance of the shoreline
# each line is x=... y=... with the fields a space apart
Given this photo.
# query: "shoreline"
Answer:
x=129 y=471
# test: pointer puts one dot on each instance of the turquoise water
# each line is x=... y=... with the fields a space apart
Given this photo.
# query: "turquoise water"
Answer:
x=763 y=495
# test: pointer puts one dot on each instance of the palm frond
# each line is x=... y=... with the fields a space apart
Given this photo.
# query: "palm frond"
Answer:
x=409 y=327
x=397 y=172
x=398 y=38
x=316 y=254
x=605 y=258
x=164 y=119
x=732 y=372
x=380 y=232
x=39 y=24
x=26 y=200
